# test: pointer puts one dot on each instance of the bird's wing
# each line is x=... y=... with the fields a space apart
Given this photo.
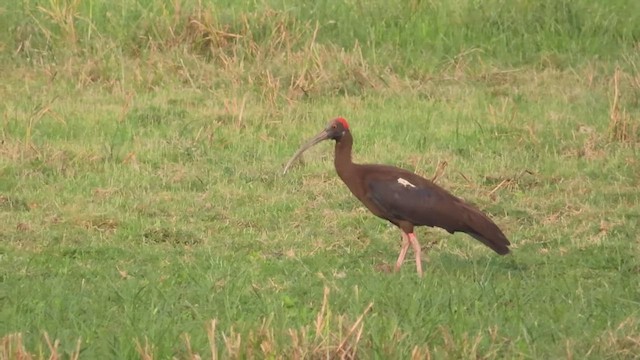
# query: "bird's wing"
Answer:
x=417 y=200
x=405 y=196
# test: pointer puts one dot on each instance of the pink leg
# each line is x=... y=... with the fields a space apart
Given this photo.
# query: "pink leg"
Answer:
x=403 y=251
x=416 y=249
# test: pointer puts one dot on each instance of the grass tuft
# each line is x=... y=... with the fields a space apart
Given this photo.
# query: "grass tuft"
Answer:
x=621 y=127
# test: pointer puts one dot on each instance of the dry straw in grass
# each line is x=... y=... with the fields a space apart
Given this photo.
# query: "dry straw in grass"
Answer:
x=621 y=127
x=12 y=348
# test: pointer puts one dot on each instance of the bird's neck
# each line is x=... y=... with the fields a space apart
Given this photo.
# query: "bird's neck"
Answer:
x=342 y=159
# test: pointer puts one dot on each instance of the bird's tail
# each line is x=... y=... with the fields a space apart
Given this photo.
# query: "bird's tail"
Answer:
x=481 y=228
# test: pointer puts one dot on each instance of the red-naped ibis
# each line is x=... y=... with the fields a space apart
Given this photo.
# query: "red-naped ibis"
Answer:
x=404 y=198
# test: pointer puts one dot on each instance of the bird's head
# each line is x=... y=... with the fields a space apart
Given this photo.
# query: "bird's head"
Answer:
x=335 y=130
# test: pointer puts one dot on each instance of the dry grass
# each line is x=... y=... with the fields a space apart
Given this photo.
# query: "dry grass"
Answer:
x=622 y=127
x=620 y=342
x=330 y=337
x=13 y=348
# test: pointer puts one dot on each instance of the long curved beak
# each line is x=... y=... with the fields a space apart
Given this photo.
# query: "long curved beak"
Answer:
x=323 y=135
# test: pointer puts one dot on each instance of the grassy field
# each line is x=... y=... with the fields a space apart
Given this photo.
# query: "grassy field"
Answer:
x=144 y=214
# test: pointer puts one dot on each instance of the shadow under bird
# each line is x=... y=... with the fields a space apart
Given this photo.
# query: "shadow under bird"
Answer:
x=404 y=198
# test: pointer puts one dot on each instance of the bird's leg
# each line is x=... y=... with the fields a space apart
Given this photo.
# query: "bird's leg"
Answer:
x=403 y=251
x=416 y=249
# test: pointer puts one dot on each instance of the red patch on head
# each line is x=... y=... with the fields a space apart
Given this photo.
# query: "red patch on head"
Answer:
x=344 y=123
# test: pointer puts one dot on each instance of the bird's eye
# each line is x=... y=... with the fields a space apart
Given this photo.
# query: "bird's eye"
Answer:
x=333 y=126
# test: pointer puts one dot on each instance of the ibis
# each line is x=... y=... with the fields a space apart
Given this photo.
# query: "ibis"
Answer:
x=405 y=199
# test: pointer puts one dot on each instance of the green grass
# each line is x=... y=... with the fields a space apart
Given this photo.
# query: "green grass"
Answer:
x=141 y=195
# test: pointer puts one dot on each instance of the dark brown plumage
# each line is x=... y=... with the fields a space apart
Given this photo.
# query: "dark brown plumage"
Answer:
x=404 y=198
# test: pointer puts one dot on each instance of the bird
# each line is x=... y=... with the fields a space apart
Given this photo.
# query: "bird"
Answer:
x=404 y=198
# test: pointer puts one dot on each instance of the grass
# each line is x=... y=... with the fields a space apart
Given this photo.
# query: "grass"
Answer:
x=141 y=151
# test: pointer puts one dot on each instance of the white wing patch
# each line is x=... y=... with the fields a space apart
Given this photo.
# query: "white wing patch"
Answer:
x=405 y=183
